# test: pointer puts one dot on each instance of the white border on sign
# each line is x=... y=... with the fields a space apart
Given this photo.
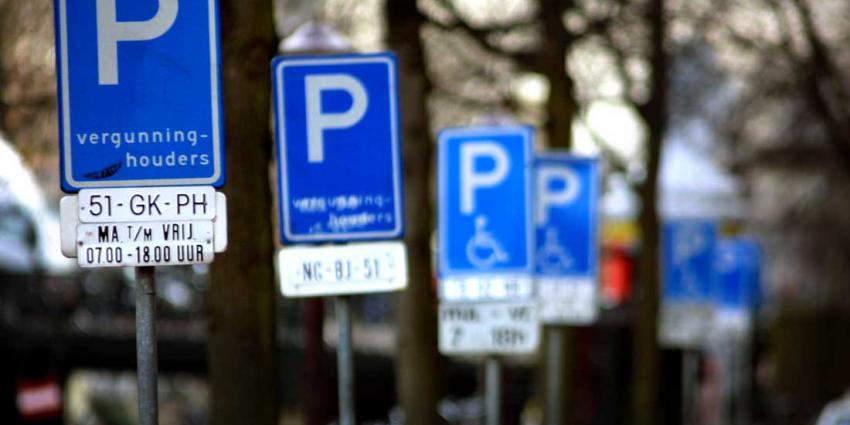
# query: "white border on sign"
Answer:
x=66 y=113
x=283 y=177
x=442 y=225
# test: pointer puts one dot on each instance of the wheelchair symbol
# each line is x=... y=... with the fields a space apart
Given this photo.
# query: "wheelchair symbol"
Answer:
x=553 y=257
x=482 y=249
x=689 y=243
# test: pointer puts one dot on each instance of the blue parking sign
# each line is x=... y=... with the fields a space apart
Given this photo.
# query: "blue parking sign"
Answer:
x=485 y=200
x=338 y=144
x=139 y=93
x=688 y=259
x=566 y=216
x=738 y=279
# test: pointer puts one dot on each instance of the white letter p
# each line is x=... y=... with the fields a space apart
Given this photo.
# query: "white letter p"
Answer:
x=110 y=32
x=547 y=197
x=318 y=121
x=470 y=180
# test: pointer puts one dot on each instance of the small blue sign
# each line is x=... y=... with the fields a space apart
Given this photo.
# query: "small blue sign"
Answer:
x=566 y=216
x=139 y=93
x=738 y=268
x=485 y=201
x=338 y=144
x=688 y=259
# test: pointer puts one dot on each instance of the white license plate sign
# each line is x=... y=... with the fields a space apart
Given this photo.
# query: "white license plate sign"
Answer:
x=684 y=325
x=567 y=301
x=486 y=288
x=489 y=328
x=130 y=244
x=147 y=204
x=341 y=270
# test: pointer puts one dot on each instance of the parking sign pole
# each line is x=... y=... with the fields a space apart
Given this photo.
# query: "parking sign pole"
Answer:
x=345 y=361
x=146 y=345
x=742 y=382
x=493 y=389
x=690 y=380
x=554 y=379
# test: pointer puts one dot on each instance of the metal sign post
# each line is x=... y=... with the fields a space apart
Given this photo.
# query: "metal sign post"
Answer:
x=555 y=354
x=146 y=345
x=493 y=390
x=690 y=383
x=345 y=362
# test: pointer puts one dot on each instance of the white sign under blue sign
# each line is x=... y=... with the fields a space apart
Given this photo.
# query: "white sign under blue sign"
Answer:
x=339 y=159
x=139 y=93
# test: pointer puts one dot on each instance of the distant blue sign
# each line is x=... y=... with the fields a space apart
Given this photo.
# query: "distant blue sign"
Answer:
x=338 y=141
x=688 y=259
x=139 y=93
x=566 y=216
x=485 y=200
x=738 y=268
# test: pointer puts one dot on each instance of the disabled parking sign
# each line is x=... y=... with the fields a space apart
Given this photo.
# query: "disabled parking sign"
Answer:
x=738 y=274
x=485 y=230
x=689 y=265
x=139 y=93
x=567 y=257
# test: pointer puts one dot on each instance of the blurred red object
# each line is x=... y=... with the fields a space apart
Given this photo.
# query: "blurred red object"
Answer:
x=39 y=399
x=617 y=275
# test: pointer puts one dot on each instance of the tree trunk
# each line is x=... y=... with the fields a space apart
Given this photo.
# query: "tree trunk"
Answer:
x=560 y=111
x=561 y=105
x=417 y=366
x=242 y=342
x=647 y=356
x=5 y=39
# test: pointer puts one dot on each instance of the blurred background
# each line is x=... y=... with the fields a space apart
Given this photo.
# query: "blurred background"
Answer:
x=736 y=109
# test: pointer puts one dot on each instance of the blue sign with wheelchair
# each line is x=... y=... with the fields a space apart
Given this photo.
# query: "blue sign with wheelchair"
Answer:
x=738 y=274
x=485 y=197
x=567 y=189
x=139 y=93
x=688 y=248
x=339 y=148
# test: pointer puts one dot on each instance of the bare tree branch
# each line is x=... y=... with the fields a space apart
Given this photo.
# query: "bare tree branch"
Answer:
x=481 y=36
x=824 y=87
x=464 y=100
